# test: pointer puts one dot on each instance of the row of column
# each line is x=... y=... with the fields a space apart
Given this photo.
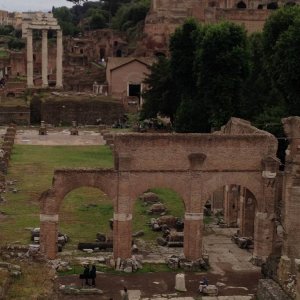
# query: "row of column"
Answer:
x=59 y=56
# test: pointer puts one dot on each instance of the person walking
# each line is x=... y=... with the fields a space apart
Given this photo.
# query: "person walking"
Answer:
x=93 y=275
x=125 y=294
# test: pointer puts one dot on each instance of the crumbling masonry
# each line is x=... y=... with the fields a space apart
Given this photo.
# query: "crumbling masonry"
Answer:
x=193 y=165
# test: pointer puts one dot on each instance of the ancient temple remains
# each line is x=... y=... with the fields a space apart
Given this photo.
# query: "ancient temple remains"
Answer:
x=44 y=23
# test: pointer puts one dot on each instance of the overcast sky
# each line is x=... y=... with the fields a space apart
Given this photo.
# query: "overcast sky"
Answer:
x=32 y=5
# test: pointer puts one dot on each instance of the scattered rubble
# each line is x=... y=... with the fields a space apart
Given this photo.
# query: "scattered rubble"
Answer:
x=157 y=208
x=62 y=238
x=242 y=241
x=175 y=262
x=149 y=198
x=14 y=270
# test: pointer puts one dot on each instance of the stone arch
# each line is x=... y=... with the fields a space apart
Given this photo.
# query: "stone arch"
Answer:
x=65 y=181
x=147 y=181
x=241 y=5
x=218 y=180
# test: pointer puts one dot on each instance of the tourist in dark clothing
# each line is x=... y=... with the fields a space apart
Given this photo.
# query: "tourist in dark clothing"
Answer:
x=124 y=294
x=93 y=274
x=86 y=274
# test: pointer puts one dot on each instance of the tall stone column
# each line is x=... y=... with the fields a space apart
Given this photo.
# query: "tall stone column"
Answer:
x=193 y=235
x=48 y=235
x=59 y=60
x=297 y=264
x=29 y=59
x=45 y=57
x=122 y=233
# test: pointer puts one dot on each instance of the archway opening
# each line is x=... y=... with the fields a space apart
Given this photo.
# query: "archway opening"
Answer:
x=272 y=5
x=229 y=216
x=85 y=217
x=158 y=223
x=241 y=5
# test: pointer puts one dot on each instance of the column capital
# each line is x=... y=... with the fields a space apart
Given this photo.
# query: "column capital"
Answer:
x=29 y=31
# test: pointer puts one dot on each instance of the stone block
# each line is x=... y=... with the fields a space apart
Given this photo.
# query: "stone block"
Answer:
x=269 y=289
x=180 y=282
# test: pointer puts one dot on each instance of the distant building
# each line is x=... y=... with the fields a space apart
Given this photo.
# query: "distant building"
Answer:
x=125 y=76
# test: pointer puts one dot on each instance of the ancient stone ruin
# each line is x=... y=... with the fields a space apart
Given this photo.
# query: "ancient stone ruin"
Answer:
x=193 y=165
x=43 y=22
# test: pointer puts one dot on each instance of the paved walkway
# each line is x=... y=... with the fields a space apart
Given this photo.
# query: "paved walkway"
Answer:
x=57 y=137
x=224 y=253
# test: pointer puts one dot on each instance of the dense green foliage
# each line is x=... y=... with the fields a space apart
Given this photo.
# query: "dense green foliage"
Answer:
x=216 y=71
x=126 y=15
x=13 y=37
x=207 y=70
x=130 y=16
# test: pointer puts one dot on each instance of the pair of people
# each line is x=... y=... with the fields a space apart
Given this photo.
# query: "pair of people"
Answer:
x=89 y=274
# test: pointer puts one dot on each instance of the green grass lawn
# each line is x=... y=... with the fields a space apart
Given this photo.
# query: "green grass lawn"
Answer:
x=84 y=212
x=32 y=167
x=169 y=198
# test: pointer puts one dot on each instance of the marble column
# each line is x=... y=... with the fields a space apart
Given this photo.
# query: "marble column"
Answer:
x=59 y=59
x=45 y=57
x=29 y=59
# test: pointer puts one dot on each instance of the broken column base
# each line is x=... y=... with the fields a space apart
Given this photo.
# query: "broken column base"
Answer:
x=257 y=261
x=176 y=262
x=128 y=265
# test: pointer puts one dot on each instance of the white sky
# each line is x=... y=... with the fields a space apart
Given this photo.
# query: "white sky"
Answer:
x=32 y=5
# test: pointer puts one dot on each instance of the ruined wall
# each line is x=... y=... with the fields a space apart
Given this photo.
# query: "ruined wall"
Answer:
x=14 y=114
x=174 y=152
x=193 y=165
x=252 y=19
x=83 y=112
x=17 y=63
x=165 y=16
x=291 y=189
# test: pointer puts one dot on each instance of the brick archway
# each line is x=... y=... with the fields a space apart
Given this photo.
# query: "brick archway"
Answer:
x=193 y=165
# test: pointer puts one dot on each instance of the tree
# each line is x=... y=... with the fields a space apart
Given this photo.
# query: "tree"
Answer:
x=191 y=115
x=208 y=68
x=281 y=47
x=223 y=67
x=64 y=17
x=159 y=95
x=130 y=14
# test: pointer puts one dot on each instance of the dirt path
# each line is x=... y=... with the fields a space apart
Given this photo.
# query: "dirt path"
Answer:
x=237 y=283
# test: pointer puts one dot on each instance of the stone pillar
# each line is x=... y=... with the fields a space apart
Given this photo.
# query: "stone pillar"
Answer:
x=29 y=59
x=48 y=235
x=193 y=235
x=263 y=236
x=122 y=234
x=45 y=57
x=242 y=212
x=246 y=213
x=297 y=265
x=291 y=189
x=230 y=205
x=264 y=218
x=59 y=60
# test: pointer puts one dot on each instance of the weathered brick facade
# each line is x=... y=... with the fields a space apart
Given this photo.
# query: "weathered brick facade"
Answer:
x=193 y=165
